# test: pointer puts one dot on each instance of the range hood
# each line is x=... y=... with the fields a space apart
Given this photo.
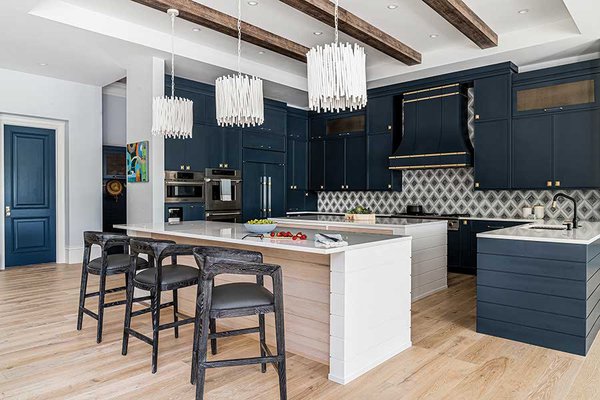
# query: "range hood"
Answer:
x=434 y=130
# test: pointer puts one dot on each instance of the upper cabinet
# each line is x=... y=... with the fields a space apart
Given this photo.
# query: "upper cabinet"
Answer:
x=345 y=125
x=380 y=114
x=275 y=121
x=492 y=126
x=557 y=95
x=492 y=98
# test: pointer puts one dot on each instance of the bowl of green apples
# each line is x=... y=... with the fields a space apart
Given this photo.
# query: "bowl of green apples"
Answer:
x=260 y=226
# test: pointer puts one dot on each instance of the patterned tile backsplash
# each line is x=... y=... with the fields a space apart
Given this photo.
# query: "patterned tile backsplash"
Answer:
x=451 y=191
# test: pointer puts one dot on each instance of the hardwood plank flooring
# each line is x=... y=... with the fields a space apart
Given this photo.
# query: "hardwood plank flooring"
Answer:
x=42 y=356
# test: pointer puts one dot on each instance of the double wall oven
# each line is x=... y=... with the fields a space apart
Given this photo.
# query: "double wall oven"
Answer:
x=223 y=195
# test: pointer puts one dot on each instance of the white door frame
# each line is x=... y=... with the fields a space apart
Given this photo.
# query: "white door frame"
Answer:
x=60 y=129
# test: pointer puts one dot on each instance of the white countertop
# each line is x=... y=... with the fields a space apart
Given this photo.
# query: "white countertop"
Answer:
x=339 y=219
x=586 y=233
x=234 y=233
x=392 y=216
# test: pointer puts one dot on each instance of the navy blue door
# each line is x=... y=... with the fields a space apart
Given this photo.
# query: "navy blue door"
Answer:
x=29 y=196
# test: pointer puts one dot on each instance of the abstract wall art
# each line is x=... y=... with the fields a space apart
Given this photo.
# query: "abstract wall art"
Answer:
x=137 y=162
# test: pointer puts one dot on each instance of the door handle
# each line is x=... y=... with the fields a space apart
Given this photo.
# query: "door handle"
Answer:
x=557 y=183
x=7 y=211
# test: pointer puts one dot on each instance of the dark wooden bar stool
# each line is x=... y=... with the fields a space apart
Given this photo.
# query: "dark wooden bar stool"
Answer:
x=103 y=266
x=157 y=279
x=237 y=300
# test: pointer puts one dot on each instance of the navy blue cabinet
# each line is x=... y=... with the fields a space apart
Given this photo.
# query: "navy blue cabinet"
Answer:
x=190 y=211
x=316 y=164
x=334 y=164
x=576 y=149
x=492 y=98
x=379 y=176
x=260 y=201
x=297 y=124
x=380 y=114
x=318 y=126
x=297 y=164
x=263 y=140
x=355 y=162
x=532 y=152
x=492 y=154
x=558 y=150
x=301 y=200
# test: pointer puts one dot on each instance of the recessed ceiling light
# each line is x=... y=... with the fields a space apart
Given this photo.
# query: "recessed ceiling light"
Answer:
x=43 y=64
x=317 y=33
x=434 y=35
x=524 y=11
x=392 y=6
x=261 y=52
x=196 y=29
x=253 y=3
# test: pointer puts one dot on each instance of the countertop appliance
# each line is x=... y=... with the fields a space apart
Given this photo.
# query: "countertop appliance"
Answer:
x=184 y=187
x=223 y=194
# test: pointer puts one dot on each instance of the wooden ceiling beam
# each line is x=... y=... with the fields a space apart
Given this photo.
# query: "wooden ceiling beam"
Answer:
x=359 y=29
x=465 y=20
x=221 y=22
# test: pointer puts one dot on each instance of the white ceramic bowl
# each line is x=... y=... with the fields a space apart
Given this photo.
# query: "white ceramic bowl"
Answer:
x=260 y=228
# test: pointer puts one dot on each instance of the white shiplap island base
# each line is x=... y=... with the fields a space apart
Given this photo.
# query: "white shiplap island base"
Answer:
x=429 y=244
x=347 y=307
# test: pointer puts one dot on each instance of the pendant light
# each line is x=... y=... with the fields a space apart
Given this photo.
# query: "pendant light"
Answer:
x=172 y=117
x=337 y=75
x=239 y=97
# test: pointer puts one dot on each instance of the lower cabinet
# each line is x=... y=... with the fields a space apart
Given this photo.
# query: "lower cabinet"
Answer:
x=301 y=200
x=462 y=244
x=190 y=211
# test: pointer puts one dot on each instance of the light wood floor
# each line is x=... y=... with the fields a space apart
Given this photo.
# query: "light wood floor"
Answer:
x=42 y=356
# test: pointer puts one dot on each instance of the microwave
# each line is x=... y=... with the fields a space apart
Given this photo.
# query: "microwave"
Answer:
x=184 y=187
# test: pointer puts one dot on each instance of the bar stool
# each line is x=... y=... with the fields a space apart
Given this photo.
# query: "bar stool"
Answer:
x=156 y=279
x=103 y=266
x=237 y=300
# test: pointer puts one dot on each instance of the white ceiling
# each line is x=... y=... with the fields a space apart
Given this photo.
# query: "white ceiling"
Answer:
x=92 y=41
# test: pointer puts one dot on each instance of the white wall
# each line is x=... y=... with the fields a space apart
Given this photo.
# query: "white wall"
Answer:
x=80 y=106
x=114 y=120
x=145 y=80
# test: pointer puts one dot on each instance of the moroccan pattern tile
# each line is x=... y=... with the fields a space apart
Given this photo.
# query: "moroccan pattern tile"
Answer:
x=451 y=191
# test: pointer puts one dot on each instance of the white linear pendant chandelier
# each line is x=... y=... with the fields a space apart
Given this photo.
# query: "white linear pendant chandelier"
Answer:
x=239 y=97
x=337 y=75
x=172 y=117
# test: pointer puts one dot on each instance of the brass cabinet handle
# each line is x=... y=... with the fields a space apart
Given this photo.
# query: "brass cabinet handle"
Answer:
x=476 y=184
x=389 y=186
x=549 y=183
x=226 y=165
x=187 y=167
x=182 y=167
x=389 y=127
x=477 y=116
x=557 y=183
x=465 y=222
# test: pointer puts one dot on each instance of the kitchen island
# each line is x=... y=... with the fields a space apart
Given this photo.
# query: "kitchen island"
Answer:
x=540 y=284
x=429 y=268
x=348 y=307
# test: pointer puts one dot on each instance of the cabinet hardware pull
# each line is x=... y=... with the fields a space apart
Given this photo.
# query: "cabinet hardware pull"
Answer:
x=549 y=183
x=389 y=186
x=553 y=109
x=389 y=127
x=476 y=184
x=557 y=183
x=226 y=165
x=187 y=167
x=181 y=167
x=465 y=222
x=477 y=116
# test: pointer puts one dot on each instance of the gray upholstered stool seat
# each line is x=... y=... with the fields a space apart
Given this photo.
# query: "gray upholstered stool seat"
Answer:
x=240 y=295
x=116 y=264
x=172 y=276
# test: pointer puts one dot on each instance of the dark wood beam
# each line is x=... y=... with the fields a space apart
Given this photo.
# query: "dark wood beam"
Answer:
x=465 y=20
x=221 y=22
x=359 y=29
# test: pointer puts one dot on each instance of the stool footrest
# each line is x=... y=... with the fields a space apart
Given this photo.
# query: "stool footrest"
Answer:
x=241 y=361
x=113 y=290
x=138 y=335
x=147 y=310
x=115 y=303
x=234 y=332
x=177 y=323
x=88 y=312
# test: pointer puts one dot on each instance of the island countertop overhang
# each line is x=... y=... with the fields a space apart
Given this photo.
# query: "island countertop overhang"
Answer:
x=226 y=232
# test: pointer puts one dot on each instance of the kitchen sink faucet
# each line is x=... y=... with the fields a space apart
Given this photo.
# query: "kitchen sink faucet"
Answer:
x=556 y=196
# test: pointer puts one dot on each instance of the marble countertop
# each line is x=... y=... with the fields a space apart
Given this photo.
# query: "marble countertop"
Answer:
x=586 y=233
x=234 y=233
x=337 y=219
